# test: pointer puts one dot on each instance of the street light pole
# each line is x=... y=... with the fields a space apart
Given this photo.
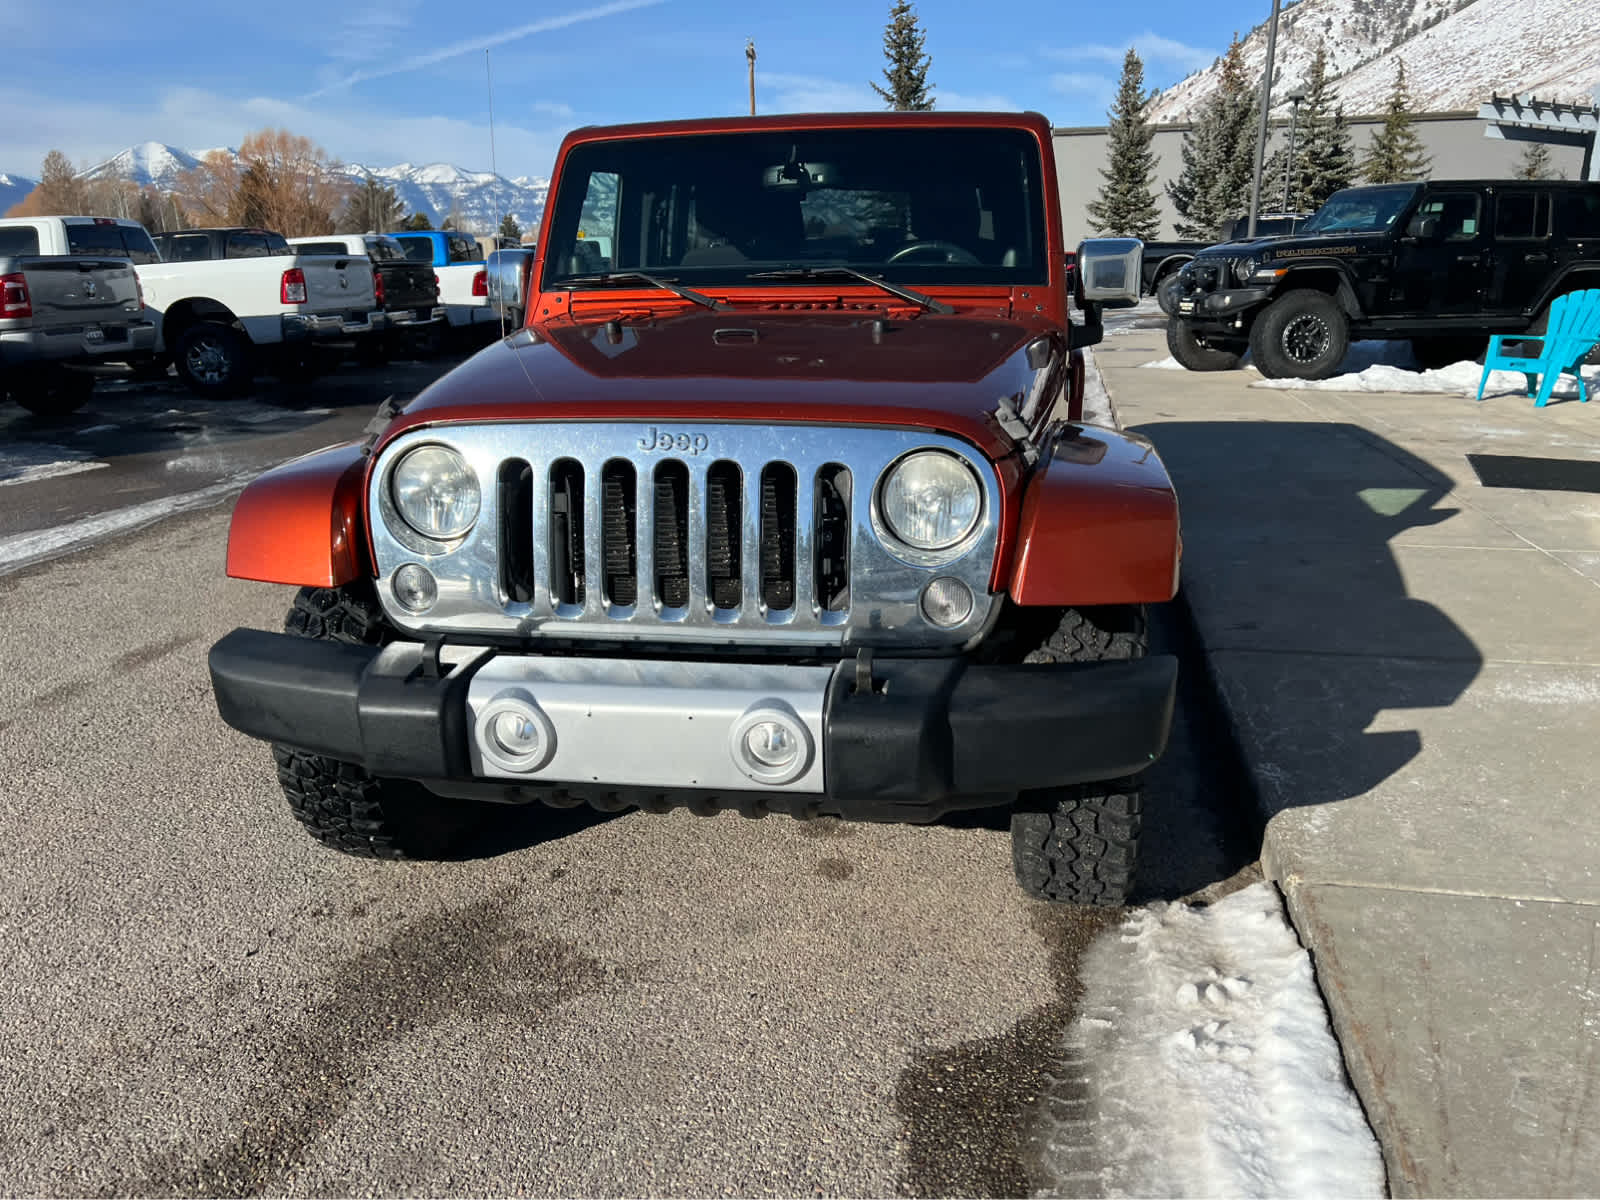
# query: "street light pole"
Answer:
x=750 y=55
x=1295 y=97
x=1261 y=129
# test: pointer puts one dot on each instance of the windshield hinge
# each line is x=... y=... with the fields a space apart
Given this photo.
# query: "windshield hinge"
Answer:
x=1014 y=427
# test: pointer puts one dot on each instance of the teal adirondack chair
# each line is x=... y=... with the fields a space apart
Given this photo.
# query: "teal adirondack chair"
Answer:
x=1571 y=332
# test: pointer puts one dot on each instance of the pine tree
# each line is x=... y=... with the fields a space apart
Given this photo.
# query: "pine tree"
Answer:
x=510 y=230
x=1125 y=206
x=1534 y=163
x=1218 y=153
x=417 y=222
x=1324 y=159
x=372 y=208
x=907 y=72
x=1395 y=154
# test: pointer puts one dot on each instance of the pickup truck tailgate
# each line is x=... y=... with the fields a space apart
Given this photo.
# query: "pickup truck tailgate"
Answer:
x=336 y=284
x=407 y=285
x=69 y=293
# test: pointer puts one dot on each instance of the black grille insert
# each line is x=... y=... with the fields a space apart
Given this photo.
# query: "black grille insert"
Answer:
x=516 y=530
x=831 y=550
x=618 y=510
x=724 y=509
x=777 y=535
x=670 y=529
x=566 y=531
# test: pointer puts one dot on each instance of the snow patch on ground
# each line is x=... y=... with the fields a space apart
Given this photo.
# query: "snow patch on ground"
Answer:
x=29 y=463
x=24 y=549
x=1457 y=378
x=1204 y=1065
x=1165 y=364
x=1097 y=408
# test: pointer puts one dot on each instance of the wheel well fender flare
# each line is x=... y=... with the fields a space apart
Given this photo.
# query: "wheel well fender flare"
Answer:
x=1098 y=524
x=303 y=522
x=1166 y=268
x=1324 y=278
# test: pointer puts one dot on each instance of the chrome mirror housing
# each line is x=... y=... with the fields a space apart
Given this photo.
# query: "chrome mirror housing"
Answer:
x=1109 y=270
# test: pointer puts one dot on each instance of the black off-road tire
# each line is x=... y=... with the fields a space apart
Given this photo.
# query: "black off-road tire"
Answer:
x=1302 y=334
x=214 y=359
x=1096 y=635
x=51 y=391
x=1079 y=844
x=1432 y=353
x=341 y=804
x=1197 y=354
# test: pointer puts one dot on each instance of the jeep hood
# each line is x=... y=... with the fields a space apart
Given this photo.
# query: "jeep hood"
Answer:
x=945 y=372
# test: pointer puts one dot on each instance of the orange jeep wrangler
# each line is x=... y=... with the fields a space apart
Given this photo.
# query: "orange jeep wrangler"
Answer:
x=787 y=505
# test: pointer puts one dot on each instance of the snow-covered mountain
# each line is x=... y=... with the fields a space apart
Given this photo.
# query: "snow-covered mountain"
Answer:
x=480 y=198
x=12 y=190
x=1457 y=53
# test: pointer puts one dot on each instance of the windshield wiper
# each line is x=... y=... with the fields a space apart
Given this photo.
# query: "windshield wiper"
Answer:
x=653 y=280
x=894 y=289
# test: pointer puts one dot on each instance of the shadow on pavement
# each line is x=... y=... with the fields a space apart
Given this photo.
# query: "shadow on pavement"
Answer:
x=1309 y=632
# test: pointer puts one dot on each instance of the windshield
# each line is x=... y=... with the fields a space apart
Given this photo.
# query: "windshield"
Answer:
x=1360 y=210
x=384 y=249
x=914 y=205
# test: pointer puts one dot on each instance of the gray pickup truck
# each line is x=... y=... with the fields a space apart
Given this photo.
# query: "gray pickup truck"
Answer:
x=60 y=312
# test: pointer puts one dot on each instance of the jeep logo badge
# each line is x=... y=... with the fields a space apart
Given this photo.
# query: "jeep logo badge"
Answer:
x=663 y=440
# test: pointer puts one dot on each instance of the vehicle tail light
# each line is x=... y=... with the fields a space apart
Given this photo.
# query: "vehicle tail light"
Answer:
x=480 y=284
x=138 y=288
x=377 y=285
x=293 y=288
x=436 y=284
x=14 y=299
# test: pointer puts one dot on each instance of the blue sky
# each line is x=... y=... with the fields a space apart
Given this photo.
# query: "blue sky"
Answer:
x=403 y=80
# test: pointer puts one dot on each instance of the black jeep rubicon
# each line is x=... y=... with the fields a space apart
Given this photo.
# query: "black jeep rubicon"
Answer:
x=1443 y=264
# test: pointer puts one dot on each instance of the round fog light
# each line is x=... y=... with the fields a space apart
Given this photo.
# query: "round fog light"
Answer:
x=770 y=744
x=513 y=732
x=414 y=588
x=946 y=602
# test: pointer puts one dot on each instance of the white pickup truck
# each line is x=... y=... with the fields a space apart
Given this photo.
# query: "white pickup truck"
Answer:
x=60 y=311
x=218 y=319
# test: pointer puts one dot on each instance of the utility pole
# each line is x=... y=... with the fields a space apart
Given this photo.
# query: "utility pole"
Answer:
x=750 y=56
x=1295 y=97
x=1261 y=130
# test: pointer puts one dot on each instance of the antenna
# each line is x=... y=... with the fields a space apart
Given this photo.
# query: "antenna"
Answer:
x=495 y=171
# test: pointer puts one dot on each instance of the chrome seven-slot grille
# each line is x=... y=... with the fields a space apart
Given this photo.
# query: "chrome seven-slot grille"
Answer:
x=719 y=533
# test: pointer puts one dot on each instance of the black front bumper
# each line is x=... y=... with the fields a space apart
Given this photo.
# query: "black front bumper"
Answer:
x=1221 y=308
x=928 y=736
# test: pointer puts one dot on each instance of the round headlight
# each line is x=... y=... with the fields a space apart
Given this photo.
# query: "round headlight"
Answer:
x=931 y=500
x=1244 y=268
x=435 y=492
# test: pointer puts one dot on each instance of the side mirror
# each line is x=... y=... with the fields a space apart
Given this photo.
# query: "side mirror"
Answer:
x=1108 y=270
x=1424 y=229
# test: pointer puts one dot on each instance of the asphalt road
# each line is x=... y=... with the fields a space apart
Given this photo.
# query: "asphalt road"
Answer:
x=198 y=999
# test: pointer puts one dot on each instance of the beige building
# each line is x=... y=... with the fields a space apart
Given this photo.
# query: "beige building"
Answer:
x=1454 y=140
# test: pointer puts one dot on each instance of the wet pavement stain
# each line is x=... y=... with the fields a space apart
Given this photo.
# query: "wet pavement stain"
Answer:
x=145 y=655
x=463 y=963
x=966 y=1108
x=836 y=869
x=62 y=693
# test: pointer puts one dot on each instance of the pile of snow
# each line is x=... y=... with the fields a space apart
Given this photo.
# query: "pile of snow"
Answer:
x=1206 y=1065
x=1165 y=364
x=1097 y=408
x=29 y=463
x=1457 y=379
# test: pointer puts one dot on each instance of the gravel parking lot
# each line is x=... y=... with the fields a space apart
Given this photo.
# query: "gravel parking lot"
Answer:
x=198 y=999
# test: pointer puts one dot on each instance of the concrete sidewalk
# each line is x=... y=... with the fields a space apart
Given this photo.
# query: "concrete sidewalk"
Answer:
x=1411 y=661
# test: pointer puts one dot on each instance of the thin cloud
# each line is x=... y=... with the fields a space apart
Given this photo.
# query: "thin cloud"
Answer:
x=1152 y=48
x=485 y=42
x=811 y=93
x=976 y=102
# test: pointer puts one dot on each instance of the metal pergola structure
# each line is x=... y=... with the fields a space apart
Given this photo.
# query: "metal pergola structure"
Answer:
x=1529 y=119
